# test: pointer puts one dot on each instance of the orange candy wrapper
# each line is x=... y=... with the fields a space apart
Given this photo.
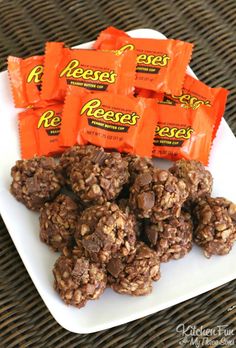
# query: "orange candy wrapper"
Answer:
x=161 y=64
x=39 y=131
x=195 y=95
x=26 y=79
x=173 y=115
x=112 y=121
x=147 y=93
x=90 y=69
x=187 y=132
x=107 y=38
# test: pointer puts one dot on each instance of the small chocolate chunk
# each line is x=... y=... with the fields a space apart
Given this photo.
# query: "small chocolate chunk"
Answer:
x=114 y=267
x=99 y=157
x=146 y=200
x=92 y=246
x=152 y=233
x=144 y=179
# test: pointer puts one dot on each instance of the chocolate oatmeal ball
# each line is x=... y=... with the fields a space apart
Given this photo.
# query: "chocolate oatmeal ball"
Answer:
x=78 y=280
x=105 y=230
x=133 y=275
x=36 y=181
x=100 y=178
x=137 y=165
x=74 y=155
x=171 y=238
x=58 y=220
x=215 y=231
x=157 y=194
x=197 y=178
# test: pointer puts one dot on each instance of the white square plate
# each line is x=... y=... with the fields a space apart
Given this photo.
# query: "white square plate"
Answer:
x=180 y=280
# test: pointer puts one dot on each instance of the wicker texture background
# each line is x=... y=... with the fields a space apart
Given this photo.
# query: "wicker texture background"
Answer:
x=25 y=25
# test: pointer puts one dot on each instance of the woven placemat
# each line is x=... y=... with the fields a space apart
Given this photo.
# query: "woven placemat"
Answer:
x=25 y=25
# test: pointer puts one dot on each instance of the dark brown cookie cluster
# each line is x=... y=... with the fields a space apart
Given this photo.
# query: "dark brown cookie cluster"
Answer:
x=134 y=274
x=216 y=227
x=197 y=178
x=115 y=218
x=137 y=165
x=158 y=195
x=58 y=221
x=36 y=181
x=104 y=230
x=171 y=238
x=99 y=178
x=74 y=155
x=78 y=280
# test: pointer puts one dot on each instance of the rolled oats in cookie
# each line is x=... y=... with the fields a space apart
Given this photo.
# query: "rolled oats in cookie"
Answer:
x=229 y=206
x=133 y=275
x=171 y=238
x=215 y=231
x=105 y=230
x=125 y=207
x=75 y=154
x=76 y=251
x=58 y=220
x=100 y=178
x=36 y=181
x=194 y=174
x=157 y=194
x=78 y=280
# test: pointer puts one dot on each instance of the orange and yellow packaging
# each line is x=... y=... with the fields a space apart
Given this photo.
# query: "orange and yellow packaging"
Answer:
x=161 y=64
x=26 y=80
x=90 y=69
x=39 y=131
x=119 y=122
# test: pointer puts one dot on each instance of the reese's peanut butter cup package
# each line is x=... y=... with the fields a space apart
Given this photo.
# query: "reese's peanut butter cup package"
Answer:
x=161 y=64
x=112 y=121
x=90 y=69
x=195 y=94
x=39 y=131
x=187 y=132
x=26 y=79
